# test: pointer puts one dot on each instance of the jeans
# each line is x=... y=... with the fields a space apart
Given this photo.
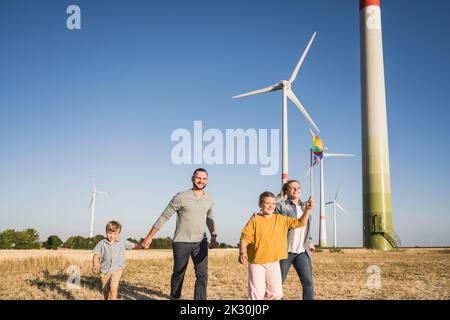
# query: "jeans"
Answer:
x=198 y=251
x=303 y=266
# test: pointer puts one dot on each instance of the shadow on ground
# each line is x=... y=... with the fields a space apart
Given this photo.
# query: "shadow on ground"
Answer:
x=127 y=291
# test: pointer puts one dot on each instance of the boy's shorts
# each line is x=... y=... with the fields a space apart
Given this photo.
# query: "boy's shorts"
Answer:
x=111 y=279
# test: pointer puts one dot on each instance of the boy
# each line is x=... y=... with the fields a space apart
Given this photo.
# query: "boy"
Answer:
x=111 y=253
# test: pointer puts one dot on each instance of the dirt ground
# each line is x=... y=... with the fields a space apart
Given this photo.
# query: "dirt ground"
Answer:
x=338 y=274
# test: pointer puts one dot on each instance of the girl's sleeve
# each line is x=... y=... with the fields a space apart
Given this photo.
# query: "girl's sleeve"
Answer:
x=294 y=223
x=248 y=233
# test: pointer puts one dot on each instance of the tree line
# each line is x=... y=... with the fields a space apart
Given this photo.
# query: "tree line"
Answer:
x=29 y=239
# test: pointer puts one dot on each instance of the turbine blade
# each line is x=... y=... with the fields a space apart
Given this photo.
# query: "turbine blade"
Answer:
x=337 y=192
x=294 y=99
x=343 y=210
x=331 y=202
x=268 y=89
x=326 y=154
x=103 y=192
x=297 y=67
x=308 y=172
x=90 y=203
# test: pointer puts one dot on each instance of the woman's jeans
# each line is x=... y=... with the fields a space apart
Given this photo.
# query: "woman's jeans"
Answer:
x=303 y=266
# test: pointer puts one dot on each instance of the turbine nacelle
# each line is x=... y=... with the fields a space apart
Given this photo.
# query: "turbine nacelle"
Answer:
x=285 y=84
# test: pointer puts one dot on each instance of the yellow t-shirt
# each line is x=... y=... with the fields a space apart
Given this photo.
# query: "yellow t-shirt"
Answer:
x=267 y=238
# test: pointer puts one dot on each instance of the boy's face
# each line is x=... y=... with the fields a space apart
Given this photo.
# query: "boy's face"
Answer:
x=112 y=236
x=267 y=205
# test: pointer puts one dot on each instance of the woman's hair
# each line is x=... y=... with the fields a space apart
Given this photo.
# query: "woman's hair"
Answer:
x=283 y=193
x=266 y=194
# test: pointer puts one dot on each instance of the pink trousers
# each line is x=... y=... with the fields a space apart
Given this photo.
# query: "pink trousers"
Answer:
x=264 y=281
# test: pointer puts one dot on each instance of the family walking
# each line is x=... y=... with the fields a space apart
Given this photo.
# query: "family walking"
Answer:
x=272 y=240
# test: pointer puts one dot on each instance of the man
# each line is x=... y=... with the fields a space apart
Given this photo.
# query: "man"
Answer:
x=300 y=244
x=194 y=208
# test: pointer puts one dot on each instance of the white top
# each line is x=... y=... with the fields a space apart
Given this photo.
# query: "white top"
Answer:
x=296 y=238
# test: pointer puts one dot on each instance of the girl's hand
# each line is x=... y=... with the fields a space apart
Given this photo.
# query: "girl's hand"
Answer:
x=243 y=258
x=95 y=269
x=310 y=203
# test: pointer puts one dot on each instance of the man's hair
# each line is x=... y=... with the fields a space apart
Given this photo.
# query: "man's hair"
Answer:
x=113 y=226
x=199 y=170
x=266 y=194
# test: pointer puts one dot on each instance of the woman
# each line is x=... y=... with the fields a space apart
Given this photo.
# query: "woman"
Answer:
x=300 y=246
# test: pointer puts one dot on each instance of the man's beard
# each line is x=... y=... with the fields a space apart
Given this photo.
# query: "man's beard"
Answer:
x=195 y=186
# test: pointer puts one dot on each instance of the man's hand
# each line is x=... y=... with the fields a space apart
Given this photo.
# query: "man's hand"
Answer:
x=243 y=258
x=311 y=247
x=95 y=268
x=213 y=244
x=145 y=244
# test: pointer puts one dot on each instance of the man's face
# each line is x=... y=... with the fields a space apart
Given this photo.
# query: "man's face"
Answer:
x=112 y=236
x=200 y=180
x=293 y=190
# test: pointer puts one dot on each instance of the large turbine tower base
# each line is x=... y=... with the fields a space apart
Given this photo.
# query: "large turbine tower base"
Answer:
x=377 y=210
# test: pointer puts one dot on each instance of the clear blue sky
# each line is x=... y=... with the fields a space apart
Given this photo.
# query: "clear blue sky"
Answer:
x=103 y=101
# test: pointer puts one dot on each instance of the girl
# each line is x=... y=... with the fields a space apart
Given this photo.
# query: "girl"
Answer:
x=264 y=243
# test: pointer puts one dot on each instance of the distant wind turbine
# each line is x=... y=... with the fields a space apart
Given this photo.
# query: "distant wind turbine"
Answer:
x=318 y=146
x=94 y=193
x=336 y=204
x=285 y=85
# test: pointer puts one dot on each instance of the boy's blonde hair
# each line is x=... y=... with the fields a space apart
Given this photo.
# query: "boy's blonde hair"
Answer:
x=113 y=226
x=266 y=194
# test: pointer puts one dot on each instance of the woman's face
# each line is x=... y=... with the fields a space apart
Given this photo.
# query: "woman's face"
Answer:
x=267 y=205
x=293 y=190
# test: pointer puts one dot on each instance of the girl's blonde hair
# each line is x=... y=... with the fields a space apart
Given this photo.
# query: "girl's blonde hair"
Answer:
x=266 y=194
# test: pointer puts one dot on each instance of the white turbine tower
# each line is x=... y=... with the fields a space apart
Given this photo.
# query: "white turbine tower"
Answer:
x=322 y=222
x=322 y=225
x=94 y=192
x=285 y=85
x=336 y=204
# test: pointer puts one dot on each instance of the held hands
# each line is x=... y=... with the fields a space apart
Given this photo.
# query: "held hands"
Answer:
x=145 y=244
x=243 y=258
x=95 y=268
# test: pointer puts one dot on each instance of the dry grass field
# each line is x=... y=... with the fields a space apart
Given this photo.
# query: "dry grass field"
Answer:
x=405 y=274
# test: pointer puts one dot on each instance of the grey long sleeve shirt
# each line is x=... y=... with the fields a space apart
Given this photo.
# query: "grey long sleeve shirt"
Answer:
x=193 y=214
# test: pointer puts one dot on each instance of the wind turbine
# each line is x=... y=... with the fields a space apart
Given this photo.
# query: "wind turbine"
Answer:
x=94 y=193
x=322 y=223
x=285 y=85
x=336 y=204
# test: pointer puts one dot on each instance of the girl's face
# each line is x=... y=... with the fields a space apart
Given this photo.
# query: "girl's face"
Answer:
x=267 y=205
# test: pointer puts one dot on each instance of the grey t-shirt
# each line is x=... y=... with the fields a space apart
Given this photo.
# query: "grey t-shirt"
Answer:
x=112 y=255
x=193 y=214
